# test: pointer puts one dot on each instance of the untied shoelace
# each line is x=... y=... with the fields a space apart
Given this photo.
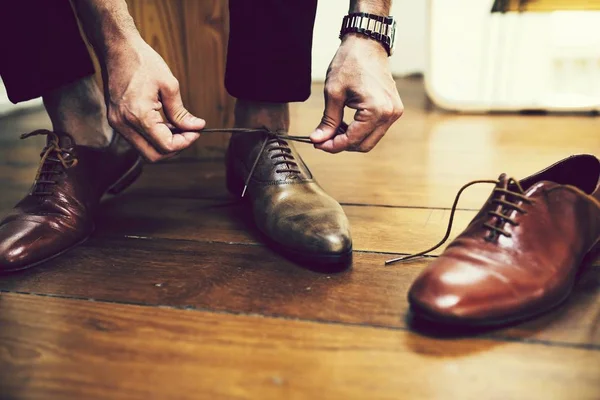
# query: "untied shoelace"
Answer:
x=501 y=213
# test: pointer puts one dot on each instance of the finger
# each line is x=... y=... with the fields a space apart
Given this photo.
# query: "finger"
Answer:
x=332 y=115
x=175 y=112
x=387 y=119
x=371 y=141
x=161 y=137
x=141 y=144
x=363 y=125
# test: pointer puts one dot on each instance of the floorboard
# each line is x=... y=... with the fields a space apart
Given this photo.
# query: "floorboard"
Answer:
x=252 y=279
x=175 y=296
x=64 y=349
x=376 y=229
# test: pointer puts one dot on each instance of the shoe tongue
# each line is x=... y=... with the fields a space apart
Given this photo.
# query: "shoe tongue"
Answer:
x=65 y=141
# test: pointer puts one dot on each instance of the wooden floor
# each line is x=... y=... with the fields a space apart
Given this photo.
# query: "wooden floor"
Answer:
x=176 y=298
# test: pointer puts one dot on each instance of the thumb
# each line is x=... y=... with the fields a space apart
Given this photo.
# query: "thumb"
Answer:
x=332 y=117
x=176 y=113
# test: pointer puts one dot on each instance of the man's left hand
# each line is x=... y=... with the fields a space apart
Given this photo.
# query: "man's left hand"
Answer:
x=359 y=77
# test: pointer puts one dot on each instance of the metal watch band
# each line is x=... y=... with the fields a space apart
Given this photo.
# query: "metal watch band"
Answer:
x=374 y=26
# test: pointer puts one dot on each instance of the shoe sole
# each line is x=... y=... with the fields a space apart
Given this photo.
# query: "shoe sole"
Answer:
x=123 y=183
x=315 y=262
x=325 y=263
x=457 y=322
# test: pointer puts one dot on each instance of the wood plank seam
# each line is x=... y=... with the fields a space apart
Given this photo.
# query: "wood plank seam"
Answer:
x=156 y=238
x=133 y=237
x=490 y=336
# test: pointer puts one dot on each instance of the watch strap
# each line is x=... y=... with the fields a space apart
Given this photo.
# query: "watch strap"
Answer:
x=378 y=27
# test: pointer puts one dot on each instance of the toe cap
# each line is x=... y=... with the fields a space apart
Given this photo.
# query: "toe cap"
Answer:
x=449 y=290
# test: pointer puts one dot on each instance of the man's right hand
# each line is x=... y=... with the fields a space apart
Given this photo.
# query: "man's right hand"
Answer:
x=137 y=82
x=138 y=85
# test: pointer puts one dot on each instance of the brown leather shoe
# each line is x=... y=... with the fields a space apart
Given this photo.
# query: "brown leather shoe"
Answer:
x=292 y=211
x=58 y=213
x=521 y=254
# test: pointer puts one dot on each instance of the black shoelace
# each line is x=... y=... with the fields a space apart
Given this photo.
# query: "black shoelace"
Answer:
x=505 y=207
x=52 y=156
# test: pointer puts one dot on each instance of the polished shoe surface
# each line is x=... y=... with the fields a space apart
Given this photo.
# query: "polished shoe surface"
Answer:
x=289 y=208
x=58 y=212
x=521 y=254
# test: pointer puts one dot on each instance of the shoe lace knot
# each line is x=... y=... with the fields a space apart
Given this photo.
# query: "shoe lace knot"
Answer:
x=54 y=161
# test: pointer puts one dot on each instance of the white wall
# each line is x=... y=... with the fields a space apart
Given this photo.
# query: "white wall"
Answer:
x=6 y=107
x=410 y=53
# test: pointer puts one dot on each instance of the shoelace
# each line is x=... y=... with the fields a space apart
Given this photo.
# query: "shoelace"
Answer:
x=52 y=155
x=271 y=137
x=506 y=205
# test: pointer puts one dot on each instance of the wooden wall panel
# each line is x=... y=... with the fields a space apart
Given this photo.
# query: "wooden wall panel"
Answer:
x=207 y=30
x=160 y=24
x=191 y=36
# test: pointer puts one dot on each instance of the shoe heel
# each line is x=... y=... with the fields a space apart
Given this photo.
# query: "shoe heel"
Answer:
x=127 y=179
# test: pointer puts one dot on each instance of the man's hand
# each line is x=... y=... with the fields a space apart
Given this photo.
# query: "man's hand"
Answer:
x=138 y=82
x=139 y=85
x=359 y=77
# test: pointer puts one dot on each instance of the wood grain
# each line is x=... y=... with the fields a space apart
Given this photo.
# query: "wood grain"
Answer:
x=382 y=229
x=252 y=279
x=160 y=24
x=206 y=26
x=56 y=348
x=192 y=37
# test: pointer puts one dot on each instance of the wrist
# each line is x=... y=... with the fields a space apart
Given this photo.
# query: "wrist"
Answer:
x=115 y=39
x=107 y=24
x=378 y=7
x=366 y=44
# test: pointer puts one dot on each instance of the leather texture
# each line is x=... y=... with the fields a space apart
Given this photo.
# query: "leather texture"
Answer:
x=287 y=204
x=58 y=213
x=522 y=252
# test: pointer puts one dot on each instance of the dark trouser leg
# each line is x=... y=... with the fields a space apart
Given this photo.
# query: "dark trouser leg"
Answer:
x=49 y=58
x=41 y=48
x=269 y=55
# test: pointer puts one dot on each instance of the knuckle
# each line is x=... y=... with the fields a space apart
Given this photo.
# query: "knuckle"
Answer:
x=334 y=90
x=113 y=120
x=398 y=111
x=354 y=142
x=386 y=110
x=173 y=86
x=153 y=157
x=366 y=149
x=328 y=121
x=180 y=113
x=165 y=147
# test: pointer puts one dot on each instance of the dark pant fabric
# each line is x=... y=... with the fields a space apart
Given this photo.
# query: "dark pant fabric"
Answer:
x=268 y=59
x=269 y=55
x=41 y=48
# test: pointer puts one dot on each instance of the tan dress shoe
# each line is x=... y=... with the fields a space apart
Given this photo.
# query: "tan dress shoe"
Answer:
x=291 y=210
x=521 y=254
x=58 y=212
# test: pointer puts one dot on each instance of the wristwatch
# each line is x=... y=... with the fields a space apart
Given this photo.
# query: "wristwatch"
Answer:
x=380 y=28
